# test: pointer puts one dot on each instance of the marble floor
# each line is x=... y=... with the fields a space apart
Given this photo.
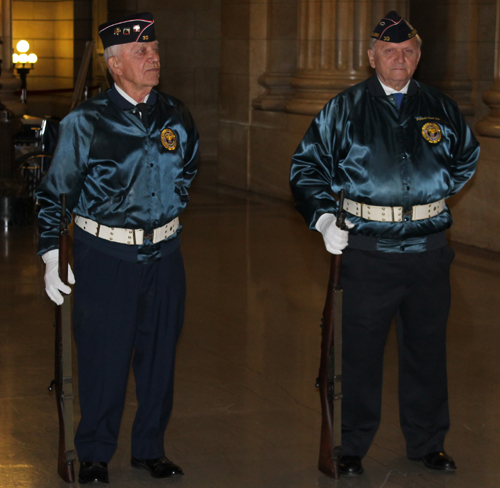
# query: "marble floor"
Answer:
x=247 y=414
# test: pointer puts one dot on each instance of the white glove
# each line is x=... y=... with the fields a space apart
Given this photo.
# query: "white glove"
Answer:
x=53 y=283
x=334 y=237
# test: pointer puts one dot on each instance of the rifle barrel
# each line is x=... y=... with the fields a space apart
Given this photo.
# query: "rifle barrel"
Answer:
x=62 y=371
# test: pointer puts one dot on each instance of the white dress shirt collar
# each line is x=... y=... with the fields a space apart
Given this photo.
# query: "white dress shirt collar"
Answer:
x=389 y=91
x=128 y=97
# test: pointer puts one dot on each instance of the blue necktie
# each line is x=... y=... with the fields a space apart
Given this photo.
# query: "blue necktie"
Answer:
x=399 y=98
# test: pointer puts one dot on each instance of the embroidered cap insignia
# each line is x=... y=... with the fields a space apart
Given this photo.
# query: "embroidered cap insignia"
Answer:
x=168 y=139
x=431 y=132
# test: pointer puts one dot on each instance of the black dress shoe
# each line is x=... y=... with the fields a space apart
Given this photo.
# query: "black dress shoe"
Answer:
x=438 y=460
x=159 y=467
x=93 y=471
x=350 y=466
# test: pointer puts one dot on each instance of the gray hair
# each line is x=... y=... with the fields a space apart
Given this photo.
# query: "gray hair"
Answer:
x=373 y=41
x=111 y=51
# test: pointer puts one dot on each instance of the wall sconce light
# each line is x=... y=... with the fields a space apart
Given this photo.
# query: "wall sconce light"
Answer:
x=20 y=60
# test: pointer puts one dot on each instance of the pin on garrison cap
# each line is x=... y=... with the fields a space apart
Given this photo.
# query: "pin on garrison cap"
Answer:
x=130 y=28
x=393 y=28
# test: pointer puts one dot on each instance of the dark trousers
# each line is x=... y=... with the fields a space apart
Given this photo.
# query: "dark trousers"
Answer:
x=414 y=288
x=124 y=309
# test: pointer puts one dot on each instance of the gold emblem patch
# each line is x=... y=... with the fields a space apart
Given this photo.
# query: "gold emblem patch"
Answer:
x=168 y=139
x=431 y=132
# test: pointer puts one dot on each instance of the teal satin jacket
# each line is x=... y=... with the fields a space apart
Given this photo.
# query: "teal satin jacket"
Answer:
x=381 y=155
x=116 y=172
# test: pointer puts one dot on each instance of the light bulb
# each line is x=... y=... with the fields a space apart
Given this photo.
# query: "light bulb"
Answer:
x=23 y=46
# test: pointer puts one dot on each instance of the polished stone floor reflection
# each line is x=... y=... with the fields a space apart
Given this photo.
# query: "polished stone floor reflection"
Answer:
x=246 y=412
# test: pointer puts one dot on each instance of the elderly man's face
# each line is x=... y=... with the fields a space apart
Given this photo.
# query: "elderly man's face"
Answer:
x=137 y=67
x=395 y=63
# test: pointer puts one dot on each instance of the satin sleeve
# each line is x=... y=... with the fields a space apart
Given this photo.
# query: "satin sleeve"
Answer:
x=66 y=174
x=191 y=149
x=313 y=167
x=466 y=155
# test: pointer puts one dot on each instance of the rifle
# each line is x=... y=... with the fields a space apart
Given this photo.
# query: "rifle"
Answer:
x=63 y=375
x=330 y=370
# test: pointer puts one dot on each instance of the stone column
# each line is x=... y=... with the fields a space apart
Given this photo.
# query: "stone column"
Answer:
x=9 y=83
x=449 y=47
x=281 y=54
x=490 y=125
x=333 y=38
x=460 y=58
x=6 y=31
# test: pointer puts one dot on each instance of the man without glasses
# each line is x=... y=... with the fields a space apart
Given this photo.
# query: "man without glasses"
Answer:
x=125 y=160
x=398 y=148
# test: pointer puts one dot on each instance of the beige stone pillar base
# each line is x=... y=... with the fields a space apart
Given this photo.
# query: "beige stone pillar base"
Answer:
x=314 y=89
x=278 y=92
x=490 y=125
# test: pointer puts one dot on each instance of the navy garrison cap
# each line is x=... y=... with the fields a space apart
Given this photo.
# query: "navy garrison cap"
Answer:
x=393 y=28
x=130 y=28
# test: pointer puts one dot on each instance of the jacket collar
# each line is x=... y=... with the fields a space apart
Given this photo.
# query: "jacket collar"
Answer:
x=375 y=88
x=124 y=104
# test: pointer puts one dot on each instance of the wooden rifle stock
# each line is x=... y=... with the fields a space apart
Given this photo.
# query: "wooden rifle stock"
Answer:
x=330 y=370
x=63 y=380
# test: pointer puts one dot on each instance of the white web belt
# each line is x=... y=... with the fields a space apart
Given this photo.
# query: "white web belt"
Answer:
x=127 y=236
x=393 y=214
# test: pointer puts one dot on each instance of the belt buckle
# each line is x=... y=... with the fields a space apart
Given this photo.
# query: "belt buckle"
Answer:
x=149 y=236
x=407 y=215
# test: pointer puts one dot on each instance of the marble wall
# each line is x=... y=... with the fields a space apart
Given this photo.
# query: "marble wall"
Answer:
x=255 y=72
x=458 y=56
x=475 y=210
x=271 y=91
x=273 y=68
x=189 y=35
x=243 y=51
x=48 y=27
x=57 y=31
x=189 y=32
